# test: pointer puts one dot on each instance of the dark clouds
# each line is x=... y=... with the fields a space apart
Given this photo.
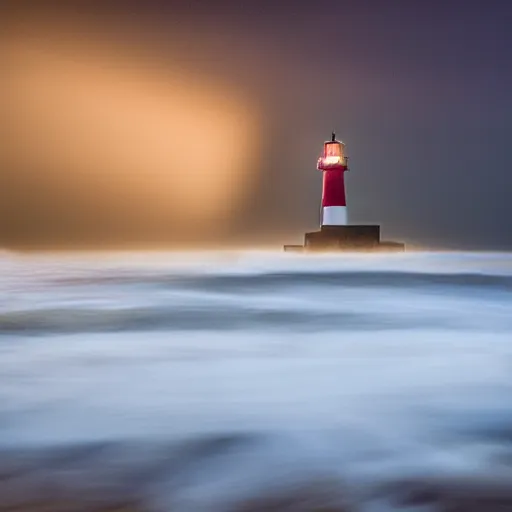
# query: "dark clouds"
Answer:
x=419 y=91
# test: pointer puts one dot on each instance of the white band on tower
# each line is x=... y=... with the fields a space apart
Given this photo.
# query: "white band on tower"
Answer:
x=334 y=216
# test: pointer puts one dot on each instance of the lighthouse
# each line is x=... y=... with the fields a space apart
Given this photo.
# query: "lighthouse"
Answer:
x=333 y=163
x=335 y=233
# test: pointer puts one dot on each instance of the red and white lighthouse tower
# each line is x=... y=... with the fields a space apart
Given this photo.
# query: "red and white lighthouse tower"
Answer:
x=335 y=233
x=333 y=163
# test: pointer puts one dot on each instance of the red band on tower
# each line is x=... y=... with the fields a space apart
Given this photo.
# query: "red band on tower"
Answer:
x=333 y=193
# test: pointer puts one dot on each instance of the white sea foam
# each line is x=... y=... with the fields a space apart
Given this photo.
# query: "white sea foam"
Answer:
x=223 y=381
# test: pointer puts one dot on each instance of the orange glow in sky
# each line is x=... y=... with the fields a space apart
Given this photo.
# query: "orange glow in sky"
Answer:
x=164 y=142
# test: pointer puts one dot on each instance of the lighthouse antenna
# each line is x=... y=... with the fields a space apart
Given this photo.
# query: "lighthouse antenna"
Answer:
x=333 y=139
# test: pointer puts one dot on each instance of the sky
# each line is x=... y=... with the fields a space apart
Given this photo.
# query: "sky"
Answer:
x=170 y=124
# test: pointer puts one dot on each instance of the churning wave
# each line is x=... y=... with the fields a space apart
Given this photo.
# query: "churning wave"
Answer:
x=256 y=381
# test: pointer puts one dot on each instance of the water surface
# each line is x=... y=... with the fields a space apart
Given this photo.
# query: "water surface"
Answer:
x=246 y=381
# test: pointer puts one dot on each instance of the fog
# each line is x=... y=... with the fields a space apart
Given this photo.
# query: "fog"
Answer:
x=167 y=125
x=100 y=143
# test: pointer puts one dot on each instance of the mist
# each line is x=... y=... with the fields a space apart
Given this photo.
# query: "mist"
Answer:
x=167 y=125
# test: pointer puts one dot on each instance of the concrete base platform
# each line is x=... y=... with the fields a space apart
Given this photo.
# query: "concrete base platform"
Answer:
x=345 y=238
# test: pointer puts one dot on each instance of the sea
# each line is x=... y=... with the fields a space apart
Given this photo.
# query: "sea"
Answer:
x=241 y=381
